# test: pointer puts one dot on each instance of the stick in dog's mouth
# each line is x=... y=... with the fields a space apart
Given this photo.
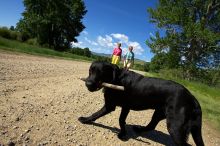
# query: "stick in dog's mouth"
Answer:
x=116 y=87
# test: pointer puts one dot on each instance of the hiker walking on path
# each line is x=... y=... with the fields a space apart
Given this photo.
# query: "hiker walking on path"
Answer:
x=129 y=58
x=116 y=56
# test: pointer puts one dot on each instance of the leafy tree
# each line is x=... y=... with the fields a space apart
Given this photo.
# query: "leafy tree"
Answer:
x=12 y=28
x=192 y=33
x=87 y=52
x=158 y=62
x=53 y=22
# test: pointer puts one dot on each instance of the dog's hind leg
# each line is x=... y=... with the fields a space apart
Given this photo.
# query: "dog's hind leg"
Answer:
x=178 y=125
x=197 y=135
x=196 y=128
x=157 y=117
x=196 y=124
x=178 y=133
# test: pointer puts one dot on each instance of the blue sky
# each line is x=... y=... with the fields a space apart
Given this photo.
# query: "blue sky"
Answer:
x=107 y=22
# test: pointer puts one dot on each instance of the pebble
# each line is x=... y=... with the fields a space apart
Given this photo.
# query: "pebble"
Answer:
x=26 y=138
x=28 y=130
x=10 y=143
x=17 y=119
x=4 y=132
x=15 y=127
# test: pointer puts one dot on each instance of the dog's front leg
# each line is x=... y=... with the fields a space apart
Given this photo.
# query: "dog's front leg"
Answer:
x=103 y=111
x=122 y=118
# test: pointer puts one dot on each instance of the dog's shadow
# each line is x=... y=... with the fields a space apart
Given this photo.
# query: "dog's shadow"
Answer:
x=154 y=135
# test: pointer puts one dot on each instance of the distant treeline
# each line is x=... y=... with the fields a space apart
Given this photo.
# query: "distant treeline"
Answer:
x=86 y=52
x=11 y=33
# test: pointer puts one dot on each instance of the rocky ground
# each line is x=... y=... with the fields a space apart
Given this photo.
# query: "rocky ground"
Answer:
x=42 y=98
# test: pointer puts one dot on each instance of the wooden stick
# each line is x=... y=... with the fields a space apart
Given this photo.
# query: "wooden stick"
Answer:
x=116 y=87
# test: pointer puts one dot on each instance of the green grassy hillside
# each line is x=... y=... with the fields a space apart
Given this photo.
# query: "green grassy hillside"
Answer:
x=15 y=46
x=208 y=97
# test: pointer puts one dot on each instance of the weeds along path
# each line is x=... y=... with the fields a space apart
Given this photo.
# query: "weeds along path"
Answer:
x=42 y=98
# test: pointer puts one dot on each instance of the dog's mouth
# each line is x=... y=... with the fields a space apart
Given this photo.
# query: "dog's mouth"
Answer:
x=94 y=86
x=99 y=85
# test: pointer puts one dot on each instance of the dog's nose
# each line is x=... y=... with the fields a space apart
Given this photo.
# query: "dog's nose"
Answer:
x=88 y=83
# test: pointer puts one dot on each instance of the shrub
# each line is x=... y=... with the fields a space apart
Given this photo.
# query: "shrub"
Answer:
x=138 y=66
x=4 y=32
x=100 y=58
x=32 y=41
x=208 y=76
x=172 y=73
x=13 y=35
x=147 y=66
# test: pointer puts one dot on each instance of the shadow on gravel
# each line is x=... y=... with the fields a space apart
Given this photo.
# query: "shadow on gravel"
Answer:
x=156 y=136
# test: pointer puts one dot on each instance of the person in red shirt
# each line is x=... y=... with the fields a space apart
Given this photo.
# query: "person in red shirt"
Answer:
x=116 y=56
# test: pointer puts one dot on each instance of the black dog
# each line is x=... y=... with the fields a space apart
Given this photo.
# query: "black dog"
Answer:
x=169 y=99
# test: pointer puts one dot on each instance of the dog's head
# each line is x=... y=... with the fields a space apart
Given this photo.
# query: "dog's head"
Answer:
x=100 y=72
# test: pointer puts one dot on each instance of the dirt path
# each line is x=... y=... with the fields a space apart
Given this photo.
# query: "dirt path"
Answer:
x=42 y=98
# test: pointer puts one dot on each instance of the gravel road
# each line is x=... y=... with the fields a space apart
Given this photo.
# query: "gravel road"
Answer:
x=42 y=98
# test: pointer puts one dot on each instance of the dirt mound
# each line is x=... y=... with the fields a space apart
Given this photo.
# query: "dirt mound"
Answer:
x=42 y=98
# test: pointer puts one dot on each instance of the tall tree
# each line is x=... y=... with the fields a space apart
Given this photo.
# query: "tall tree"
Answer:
x=53 y=22
x=192 y=32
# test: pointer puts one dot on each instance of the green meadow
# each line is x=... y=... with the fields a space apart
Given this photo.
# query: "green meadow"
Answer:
x=15 y=46
x=208 y=97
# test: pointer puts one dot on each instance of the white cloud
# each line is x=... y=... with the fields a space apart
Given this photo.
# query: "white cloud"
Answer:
x=91 y=42
x=137 y=47
x=121 y=37
x=110 y=42
x=106 y=44
x=105 y=41
x=76 y=44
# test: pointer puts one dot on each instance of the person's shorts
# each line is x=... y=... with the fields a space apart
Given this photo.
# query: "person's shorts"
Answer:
x=128 y=63
x=115 y=59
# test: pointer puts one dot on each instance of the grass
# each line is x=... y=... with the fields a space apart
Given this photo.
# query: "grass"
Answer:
x=15 y=46
x=208 y=97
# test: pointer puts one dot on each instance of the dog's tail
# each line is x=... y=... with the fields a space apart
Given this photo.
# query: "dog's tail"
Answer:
x=196 y=125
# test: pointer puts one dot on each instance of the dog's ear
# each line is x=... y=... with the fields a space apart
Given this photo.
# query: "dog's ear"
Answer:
x=110 y=72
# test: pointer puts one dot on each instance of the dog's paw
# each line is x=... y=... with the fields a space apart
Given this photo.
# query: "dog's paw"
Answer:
x=84 y=120
x=140 y=129
x=122 y=136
